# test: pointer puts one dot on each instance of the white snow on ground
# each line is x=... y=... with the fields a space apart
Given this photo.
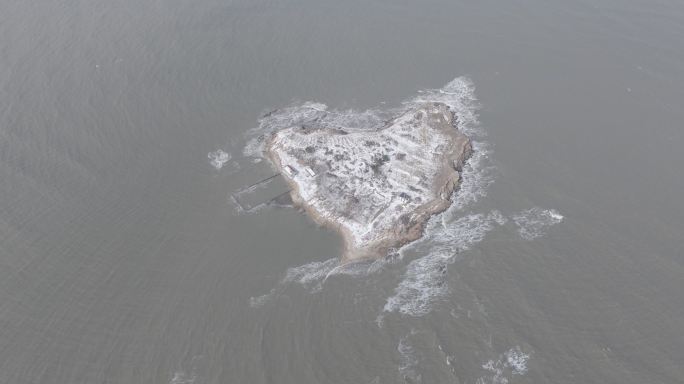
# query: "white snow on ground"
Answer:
x=367 y=180
x=310 y=113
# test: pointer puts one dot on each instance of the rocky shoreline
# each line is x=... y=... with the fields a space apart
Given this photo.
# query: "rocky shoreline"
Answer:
x=377 y=188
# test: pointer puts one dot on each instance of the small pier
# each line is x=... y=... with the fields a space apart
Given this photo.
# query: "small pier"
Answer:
x=261 y=192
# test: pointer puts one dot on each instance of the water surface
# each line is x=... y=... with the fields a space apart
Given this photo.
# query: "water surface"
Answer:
x=123 y=259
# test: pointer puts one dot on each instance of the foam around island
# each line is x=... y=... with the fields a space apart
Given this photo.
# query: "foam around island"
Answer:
x=376 y=187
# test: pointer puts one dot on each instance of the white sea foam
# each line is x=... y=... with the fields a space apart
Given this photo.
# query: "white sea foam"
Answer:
x=478 y=174
x=512 y=362
x=218 y=158
x=424 y=282
x=532 y=223
x=449 y=233
x=361 y=268
x=459 y=96
x=516 y=359
x=181 y=377
x=312 y=276
x=260 y=301
x=408 y=359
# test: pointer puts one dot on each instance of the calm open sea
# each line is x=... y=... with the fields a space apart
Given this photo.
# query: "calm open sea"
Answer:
x=125 y=126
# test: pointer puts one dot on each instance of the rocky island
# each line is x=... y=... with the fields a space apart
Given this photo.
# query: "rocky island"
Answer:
x=378 y=188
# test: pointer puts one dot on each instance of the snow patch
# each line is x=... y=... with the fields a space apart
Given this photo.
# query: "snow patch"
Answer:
x=307 y=114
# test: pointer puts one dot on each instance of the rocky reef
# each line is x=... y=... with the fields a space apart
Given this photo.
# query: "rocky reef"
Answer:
x=379 y=187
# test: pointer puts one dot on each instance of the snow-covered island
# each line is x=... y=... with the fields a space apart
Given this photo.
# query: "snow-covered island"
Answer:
x=378 y=188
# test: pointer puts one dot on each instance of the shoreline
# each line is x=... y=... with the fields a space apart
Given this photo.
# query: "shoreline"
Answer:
x=446 y=182
x=311 y=211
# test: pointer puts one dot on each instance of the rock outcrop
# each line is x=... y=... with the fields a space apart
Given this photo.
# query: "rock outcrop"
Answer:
x=378 y=188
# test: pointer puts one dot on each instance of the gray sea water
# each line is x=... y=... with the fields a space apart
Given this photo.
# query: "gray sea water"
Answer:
x=126 y=126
